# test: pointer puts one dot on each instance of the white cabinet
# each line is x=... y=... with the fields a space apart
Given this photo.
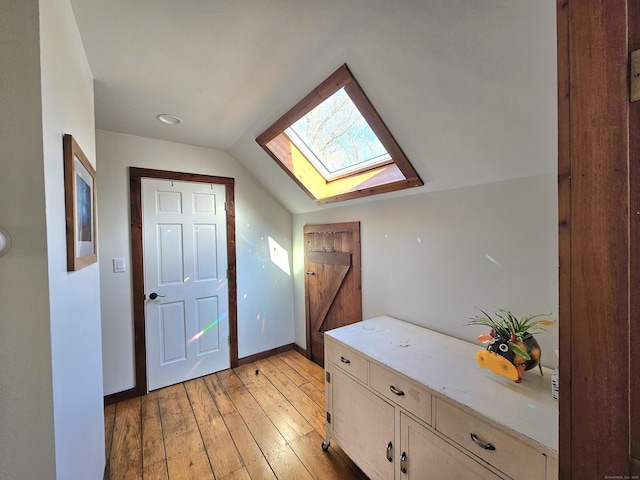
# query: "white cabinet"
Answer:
x=363 y=424
x=408 y=403
x=426 y=456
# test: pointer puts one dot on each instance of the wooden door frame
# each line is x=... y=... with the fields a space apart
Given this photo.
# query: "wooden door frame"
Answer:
x=356 y=263
x=597 y=141
x=137 y=263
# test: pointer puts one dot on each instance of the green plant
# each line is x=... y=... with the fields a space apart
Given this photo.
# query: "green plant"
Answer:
x=510 y=329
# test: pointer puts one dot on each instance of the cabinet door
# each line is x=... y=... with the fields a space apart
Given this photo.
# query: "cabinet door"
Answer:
x=425 y=456
x=363 y=425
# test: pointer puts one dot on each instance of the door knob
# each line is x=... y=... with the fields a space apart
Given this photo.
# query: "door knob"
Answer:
x=154 y=295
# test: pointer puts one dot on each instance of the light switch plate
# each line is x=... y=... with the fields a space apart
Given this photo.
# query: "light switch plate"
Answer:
x=119 y=266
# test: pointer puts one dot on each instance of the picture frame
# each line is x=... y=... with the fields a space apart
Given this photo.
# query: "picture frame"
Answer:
x=80 y=206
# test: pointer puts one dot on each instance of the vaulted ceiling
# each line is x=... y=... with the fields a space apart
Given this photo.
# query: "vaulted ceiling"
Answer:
x=467 y=87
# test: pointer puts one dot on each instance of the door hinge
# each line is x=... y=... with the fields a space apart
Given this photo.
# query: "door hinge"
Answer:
x=229 y=341
x=328 y=417
x=327 y=375
x=634 y=72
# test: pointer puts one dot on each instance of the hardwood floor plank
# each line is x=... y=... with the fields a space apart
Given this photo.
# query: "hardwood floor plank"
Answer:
x=126 y=450
x=186 y=455
x=314 y=394
x=283 y=461
x=288 y=371
x=255 y=462
x=220 y=397
x=278 y=453
x=232 y=425
x=312 y=412
x=323 y=465
x=314 y=373
x=152 y=439
x=221 y=450
x=157 y=471
x=175 y=411
x=109 y=419
x=284 y=416
x=190 y=465
x=238 y=475
x=244 y=402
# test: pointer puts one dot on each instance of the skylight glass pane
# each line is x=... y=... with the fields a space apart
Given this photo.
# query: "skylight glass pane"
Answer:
x=338 y=136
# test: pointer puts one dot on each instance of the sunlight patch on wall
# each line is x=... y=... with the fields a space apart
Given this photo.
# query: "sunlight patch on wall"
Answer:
x=279 y=256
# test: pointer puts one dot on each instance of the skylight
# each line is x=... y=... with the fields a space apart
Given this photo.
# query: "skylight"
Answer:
x=335 y=145
x=337 y=139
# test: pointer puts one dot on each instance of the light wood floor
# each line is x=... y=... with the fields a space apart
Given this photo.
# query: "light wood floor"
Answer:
x=232 y=425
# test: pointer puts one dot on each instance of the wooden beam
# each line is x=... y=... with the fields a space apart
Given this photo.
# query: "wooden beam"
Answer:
x=594 y=240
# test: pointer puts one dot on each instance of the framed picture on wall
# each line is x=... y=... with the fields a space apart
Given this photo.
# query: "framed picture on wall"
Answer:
x=80 y=206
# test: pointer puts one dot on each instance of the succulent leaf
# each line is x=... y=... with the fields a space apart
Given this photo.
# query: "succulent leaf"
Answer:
x=515 y=348
x=504 y=323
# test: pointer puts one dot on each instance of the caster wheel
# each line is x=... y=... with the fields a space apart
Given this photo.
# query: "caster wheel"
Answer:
x=325 y=446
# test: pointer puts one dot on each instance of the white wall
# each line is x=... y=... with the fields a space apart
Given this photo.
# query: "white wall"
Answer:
x=265 y=292
x=74 y=297
x=26 y=398
x=431 y=259
x=51 y=409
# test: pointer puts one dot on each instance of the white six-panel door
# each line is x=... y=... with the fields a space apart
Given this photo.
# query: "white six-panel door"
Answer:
x=185 y=263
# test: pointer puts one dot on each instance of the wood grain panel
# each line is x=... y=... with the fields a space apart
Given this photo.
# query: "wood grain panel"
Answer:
x=333 y=291
x=594 y=238
x=634 y=218
x=564 y=237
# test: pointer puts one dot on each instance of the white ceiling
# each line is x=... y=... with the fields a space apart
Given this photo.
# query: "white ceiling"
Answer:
x=467 y=87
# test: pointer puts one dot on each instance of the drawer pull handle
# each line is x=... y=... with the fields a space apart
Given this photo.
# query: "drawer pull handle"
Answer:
x=395 y=391
x=390 y=452
x=486 y=446
x=345 y=360
x=403 y=462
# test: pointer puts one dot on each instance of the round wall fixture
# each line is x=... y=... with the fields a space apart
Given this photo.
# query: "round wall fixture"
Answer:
x=5 y=241
x=169 y=119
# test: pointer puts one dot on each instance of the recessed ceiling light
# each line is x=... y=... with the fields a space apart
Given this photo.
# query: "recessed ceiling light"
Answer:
x=169 y=119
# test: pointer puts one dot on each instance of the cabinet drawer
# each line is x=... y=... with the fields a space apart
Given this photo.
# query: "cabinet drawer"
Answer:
x=410 y=395
x=427 y=455
x=347 y=360
x=511 y=456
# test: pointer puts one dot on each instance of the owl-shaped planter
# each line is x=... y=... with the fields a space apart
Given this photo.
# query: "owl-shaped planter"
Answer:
x=511 y=348
x=502 y=360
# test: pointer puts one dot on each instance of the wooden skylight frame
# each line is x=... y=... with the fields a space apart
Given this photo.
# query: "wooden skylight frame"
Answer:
x=397 y=174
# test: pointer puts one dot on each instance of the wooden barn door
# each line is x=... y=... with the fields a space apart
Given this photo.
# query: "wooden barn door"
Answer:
x=332 y=284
